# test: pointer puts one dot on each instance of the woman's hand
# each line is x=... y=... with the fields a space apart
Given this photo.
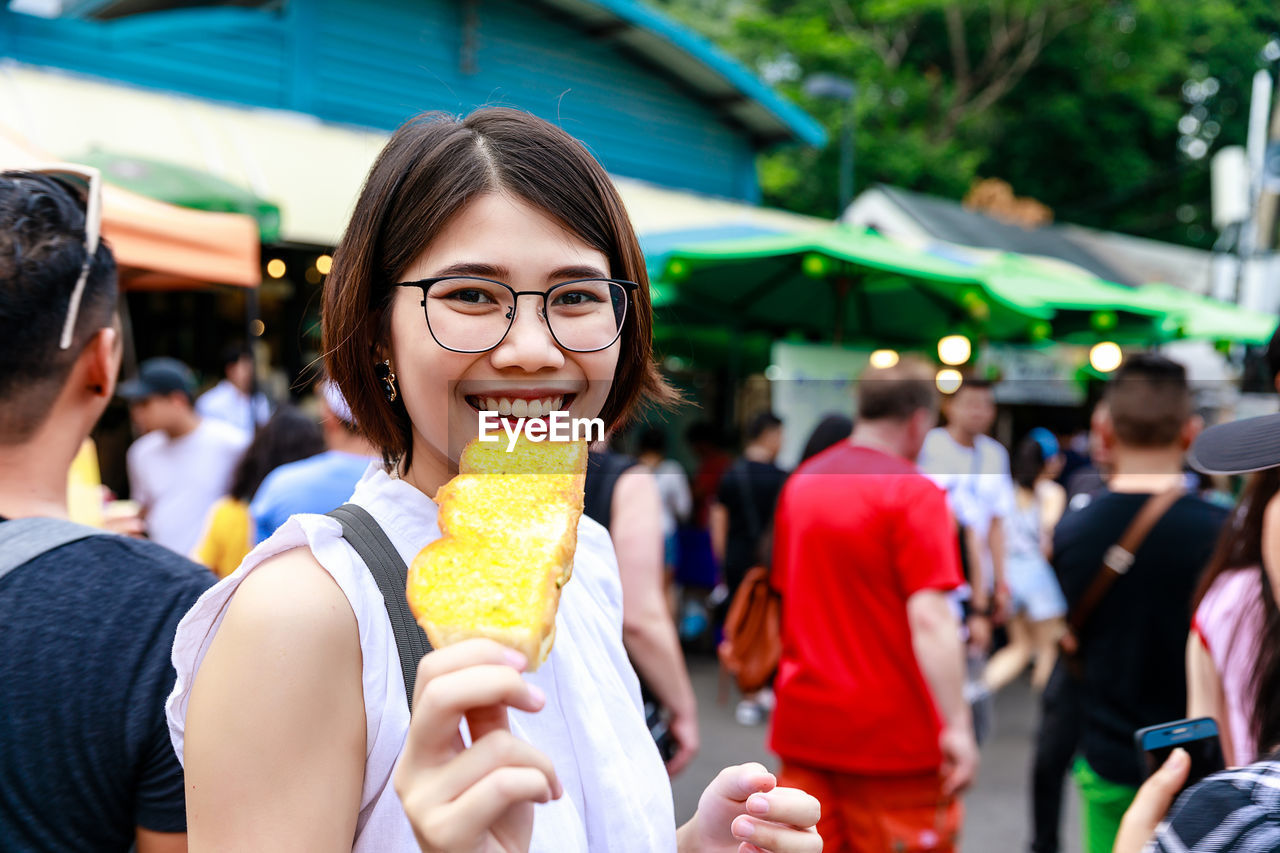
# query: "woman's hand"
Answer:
x=684 y=728
x=478 y=799
x=743 y=810
x=1152 y=803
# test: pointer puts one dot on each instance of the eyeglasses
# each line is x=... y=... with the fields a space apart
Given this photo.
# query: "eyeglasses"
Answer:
x=87 y=181
x=470 y=314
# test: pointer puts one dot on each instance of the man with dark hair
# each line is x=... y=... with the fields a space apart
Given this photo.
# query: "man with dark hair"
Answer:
x=230 y=400
x=87 y=619
x=182 y=463
x=871 y=716
x=1131 y=602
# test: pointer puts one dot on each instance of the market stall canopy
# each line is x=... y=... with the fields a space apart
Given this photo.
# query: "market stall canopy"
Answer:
x=159 y=246
x=184 y=187
x=848 y=284
x=1201 y=318
x=1084 y=309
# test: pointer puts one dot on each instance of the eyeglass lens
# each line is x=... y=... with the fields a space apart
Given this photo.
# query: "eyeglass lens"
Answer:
x=474 y=315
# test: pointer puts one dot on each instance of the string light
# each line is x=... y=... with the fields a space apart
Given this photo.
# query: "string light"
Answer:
x=884 y=358
x=948 y=380
x=954 y=349
x=1105 y=356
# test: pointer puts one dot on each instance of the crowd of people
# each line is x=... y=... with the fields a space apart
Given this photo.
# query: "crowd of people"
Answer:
x=218 y=669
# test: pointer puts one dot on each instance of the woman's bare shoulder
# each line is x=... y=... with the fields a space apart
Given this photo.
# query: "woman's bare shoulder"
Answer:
x=290 y=596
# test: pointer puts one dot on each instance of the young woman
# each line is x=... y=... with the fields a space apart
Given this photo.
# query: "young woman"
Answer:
x=1039 y=608
x=487 y=259
x=1233 y=653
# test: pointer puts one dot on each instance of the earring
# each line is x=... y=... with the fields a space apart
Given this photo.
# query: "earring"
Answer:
x=388 y=380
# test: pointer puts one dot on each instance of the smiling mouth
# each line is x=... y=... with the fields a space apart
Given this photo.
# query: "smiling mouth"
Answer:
x=519 y=407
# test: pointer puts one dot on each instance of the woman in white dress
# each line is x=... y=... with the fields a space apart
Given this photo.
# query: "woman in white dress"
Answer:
x=488 y=261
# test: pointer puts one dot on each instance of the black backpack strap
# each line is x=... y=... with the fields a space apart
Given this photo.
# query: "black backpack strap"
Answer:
x=391 y=574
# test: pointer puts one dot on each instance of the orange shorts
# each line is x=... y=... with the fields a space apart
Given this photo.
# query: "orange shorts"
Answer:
x=879 y=814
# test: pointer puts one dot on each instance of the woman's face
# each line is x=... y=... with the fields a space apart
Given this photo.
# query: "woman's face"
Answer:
x=504 y=238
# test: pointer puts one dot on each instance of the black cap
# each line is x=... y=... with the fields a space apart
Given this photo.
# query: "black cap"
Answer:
x=159 y=376
x=1238 y=447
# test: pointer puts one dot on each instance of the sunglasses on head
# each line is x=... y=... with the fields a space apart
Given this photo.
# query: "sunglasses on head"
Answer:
x=86 y=182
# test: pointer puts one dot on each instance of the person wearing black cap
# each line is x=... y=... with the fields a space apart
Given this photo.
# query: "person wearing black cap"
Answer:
x=87 y=619
x=182 y=463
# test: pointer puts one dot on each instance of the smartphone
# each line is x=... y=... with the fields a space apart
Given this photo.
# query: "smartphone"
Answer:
x=1198 y=737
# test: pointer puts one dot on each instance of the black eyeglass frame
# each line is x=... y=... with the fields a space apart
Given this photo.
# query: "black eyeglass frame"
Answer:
x=425 y=284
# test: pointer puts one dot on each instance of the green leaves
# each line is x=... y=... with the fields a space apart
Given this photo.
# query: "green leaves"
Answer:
x=1075 y=102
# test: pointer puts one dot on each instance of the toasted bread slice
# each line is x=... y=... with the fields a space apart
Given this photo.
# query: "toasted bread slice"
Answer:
x=510 y=527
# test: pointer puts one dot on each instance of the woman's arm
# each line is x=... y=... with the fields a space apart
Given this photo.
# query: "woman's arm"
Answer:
x=1205 y=697
x=647 y=628
x=275 y=727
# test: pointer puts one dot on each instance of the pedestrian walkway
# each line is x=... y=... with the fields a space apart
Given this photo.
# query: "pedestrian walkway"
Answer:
x=997 y=818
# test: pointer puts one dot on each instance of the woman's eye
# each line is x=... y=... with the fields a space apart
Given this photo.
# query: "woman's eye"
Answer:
x=575 y=297
x=470 y=295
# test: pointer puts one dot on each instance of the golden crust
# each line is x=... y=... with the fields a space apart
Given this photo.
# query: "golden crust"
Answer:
x=510 y=528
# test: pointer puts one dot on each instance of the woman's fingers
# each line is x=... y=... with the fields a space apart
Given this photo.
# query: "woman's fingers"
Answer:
x=446 y=698
x=789 y=806
x=1152 y=803
x=494 y=750
x=455 y=825
x=776 y=837
x=462 y=655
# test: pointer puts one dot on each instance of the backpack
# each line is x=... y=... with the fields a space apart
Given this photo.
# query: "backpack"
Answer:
x=752 y=643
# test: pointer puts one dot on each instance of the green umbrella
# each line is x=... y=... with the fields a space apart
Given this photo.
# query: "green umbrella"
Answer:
x=841 y=283
x=185 y=187
x=1203 y=318
x=1084 y=309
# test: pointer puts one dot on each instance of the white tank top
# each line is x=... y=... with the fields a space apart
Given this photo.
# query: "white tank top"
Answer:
x=617 y=795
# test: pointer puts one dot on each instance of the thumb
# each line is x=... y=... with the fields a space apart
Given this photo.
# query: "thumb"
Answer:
x=742 y=780
x=1152 y=803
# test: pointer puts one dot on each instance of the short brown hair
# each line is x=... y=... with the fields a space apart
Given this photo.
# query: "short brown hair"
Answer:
x=1149 y=400
x=429 y=170
x=896 y=393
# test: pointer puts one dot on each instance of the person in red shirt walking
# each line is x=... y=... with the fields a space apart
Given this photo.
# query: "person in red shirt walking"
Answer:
x=870 y=715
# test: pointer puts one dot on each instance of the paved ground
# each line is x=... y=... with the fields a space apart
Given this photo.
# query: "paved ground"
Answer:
x=996 y=809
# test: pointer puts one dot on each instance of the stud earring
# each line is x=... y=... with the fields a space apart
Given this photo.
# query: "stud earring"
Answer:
x=388 y=379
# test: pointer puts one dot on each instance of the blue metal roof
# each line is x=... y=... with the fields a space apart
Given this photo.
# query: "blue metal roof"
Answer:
x=668 y=48
x=700 y=64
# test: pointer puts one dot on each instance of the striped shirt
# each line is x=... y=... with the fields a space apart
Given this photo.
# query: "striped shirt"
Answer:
x=1237 y=811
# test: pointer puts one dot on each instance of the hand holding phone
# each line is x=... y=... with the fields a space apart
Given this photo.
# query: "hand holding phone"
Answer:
x=1198 y=737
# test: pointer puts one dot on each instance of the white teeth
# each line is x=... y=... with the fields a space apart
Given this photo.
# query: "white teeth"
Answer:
x=520 y=407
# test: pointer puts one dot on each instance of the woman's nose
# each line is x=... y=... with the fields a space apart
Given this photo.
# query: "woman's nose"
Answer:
x=529 y=343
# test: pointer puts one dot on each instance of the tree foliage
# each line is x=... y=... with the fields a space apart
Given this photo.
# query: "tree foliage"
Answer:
x=1105 y=110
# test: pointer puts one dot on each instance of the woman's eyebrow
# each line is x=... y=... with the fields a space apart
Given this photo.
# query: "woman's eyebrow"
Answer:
x=501 y=273
x=572 y=272
x=475 y=268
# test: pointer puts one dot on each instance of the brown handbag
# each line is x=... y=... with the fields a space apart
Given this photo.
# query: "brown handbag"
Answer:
x=752 y=643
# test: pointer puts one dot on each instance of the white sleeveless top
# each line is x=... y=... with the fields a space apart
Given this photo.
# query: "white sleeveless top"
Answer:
x=617 y=795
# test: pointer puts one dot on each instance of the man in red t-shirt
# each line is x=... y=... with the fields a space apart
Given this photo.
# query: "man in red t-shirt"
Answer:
x=870 y=715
